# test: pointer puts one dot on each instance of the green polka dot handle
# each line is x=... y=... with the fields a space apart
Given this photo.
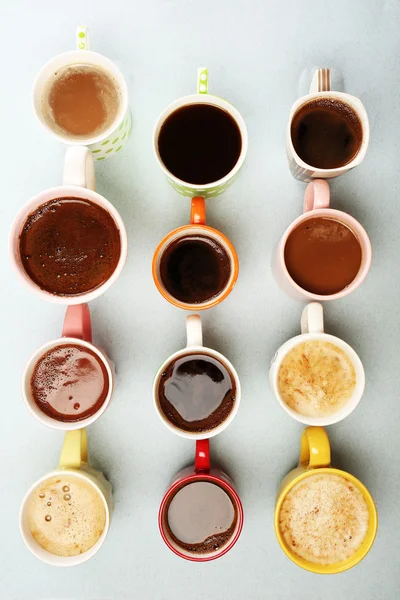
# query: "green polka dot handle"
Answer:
x=202 y=80
x=82 y=38
x=109 y=146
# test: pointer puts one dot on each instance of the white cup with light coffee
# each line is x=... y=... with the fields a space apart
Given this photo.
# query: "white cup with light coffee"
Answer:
x=65 y=515
x=81 y=97
x=317 y=378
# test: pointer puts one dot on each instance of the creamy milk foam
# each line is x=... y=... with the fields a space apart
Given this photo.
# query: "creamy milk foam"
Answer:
x=324 y=519
x=66 y=515
x=316 y=378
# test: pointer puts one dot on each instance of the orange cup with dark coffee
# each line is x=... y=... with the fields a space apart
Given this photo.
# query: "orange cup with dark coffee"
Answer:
x=325 y=253
x=195 y=266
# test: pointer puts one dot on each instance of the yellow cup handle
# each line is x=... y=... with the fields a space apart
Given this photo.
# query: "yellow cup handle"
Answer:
x=75 y=450
x=315 y=450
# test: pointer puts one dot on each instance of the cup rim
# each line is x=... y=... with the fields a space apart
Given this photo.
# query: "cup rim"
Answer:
x=350 y=405
x=52 y=422
x=46 y=556
x=202 y=99
x=173 y=489
x=208 y=232
x=368 y=540
x=356 y=104
x=113 y=70
x=43 y=197
x=227 y=364
x=359 y=232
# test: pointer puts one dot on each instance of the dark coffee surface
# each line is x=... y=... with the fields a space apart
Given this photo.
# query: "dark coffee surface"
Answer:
x=200 y=143
x=201 y=517
x=195 y=269
x=196 y=392
x=326 y=133
x=69 y=383
x=69 y=246
x=323 y=256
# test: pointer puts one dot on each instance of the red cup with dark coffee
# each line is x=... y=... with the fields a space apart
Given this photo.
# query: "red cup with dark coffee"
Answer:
x=201 y=515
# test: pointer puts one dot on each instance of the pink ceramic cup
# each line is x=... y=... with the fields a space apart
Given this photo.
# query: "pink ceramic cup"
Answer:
x=316 y=204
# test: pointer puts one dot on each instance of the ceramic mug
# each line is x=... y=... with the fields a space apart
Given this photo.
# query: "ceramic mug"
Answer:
x=73 y=462
x=77 y=329
x=312 y=328
x=201 y=471
x=321 y=88
x=315 y=457
x=197 y=226
x=195 y=345
x=79 y=182
x=115 y=137
x=202 y=97
x=316 y=204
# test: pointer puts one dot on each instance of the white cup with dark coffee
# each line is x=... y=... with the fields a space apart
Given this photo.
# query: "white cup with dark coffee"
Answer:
x=81 y=97
x=317 y=378
x=196 y=391
x=327 y=133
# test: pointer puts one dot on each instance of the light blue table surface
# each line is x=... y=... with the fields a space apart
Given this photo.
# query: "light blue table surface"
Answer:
x=259 y=54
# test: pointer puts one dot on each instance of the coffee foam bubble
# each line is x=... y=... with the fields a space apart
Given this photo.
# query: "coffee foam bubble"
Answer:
x=324 y=519
x=66 y=515
x=316 y=378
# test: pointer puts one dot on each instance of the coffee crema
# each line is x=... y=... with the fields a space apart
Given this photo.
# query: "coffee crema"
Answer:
x=200 y=143
x=316 y=378
x=81 y=101
x=322 y=255
x=196 y=392
x=69 y=383
x=195 y=269
x=69 y=246
x=66 y=515
x=326 y=133
x=324 y=519
x=201 y=518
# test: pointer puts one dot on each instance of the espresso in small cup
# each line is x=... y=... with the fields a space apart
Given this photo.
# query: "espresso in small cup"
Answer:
x=316 y=378
x=200 y=143
x=66 y=515
x=69 y=246
x=81 y=101
x=196 y=392
x=195 y=268
x=324 y=519
x=69 y=383
x=326 y=133
x=201 y=518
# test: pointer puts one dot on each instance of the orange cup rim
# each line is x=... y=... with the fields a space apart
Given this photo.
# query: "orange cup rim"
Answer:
x=214 y=301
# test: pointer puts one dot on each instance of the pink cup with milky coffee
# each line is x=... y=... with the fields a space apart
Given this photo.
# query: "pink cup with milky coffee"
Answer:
x=324 y=254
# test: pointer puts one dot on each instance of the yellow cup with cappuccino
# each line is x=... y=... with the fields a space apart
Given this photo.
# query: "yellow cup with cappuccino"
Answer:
x=325 y=519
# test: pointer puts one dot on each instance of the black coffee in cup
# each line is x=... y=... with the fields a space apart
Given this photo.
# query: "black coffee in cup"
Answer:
x=196 y=392
x=200 y=143
x=195 y=269
x=326 y=133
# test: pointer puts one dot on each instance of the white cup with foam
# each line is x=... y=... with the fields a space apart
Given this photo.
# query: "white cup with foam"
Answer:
x=312 y=328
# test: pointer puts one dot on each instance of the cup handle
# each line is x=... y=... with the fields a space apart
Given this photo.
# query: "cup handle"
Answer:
x=315 y=450
x=202 y=459
x=312 y=318
x=194 y=333
x=198 y=211
x=317 y=195
x=202 y=80
x=79 y=168
x=82 y=38
x=75 y=450
x=321 y=81
x=77 y=322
